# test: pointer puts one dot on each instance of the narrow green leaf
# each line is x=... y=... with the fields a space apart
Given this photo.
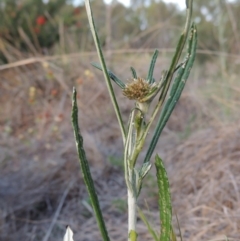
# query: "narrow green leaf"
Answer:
x=178 y=51
x=134 y=73
x=141 y=174
x=86 y=170
x=183 y=37
x=167 y=82
x=164 y=200
x=144 y=169
x=148 y=225
x=151 y=67
x=111 y=75
x=175 y=92
x=103 y=64
x=181 y=78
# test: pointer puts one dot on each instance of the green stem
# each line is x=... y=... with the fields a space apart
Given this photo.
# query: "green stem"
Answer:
x=179 y=49
x=105 y=72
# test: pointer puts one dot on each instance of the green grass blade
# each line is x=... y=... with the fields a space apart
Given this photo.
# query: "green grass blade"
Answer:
x=148 y=225
x=111 y=75
x=134 y=73
x=175 y=92
x=164 y=201
x=103 y=64
x=86 y=170
x=151 y=67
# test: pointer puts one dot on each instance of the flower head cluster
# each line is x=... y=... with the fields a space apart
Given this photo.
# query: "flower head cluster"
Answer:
x=138 y=89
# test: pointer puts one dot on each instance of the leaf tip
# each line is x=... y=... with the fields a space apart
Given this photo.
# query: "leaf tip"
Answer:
x=74 y=95
x=68 y=235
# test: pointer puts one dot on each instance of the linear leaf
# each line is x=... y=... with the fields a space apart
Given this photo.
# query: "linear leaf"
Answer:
x=180 y=80
x=151 y=67
x=134 y=73
x=164 y=200
x=178 y=51
x=111 y=75
x=87 y=177
x=175 y=92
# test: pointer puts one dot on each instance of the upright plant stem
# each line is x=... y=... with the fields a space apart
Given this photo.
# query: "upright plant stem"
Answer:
x=105 y=72
x=129 y=177
x=132 y=214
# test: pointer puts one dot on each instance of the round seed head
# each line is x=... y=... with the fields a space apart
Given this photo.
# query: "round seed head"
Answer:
x=137 y=89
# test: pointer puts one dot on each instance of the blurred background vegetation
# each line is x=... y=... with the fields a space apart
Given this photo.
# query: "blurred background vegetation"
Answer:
x=35 y=27
x=46 y=48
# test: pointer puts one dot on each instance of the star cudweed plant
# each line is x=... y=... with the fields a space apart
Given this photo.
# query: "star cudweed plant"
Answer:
x=141 y=91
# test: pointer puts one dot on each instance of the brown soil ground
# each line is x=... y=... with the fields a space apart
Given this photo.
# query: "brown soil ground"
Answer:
x=41 y=187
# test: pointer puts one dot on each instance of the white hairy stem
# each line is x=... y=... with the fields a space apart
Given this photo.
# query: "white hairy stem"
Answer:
x=132 y=211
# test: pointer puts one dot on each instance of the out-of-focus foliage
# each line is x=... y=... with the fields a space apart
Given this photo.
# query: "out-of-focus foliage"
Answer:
x=162 y=20
x=33 y=18
x=125 y=23
x=218 y=25
x=34 y=26
x=59 y=25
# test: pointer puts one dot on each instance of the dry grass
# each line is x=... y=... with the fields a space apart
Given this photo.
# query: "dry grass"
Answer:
x=206 y=184
x=41 y=189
